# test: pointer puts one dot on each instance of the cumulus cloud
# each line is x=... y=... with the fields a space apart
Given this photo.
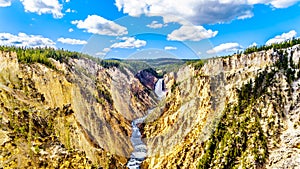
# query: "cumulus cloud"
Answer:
x=283 y=37
x=24 y=40
x=129 y=43
x=283 y=4
x=275 y=3
x=5 y=3
x=98 y=25
x=43 y=7
x=72 y=41
x=225 y=47
x=198 y=11
x=188 y=31
x=191 y=33
x=170 y=48
x=71 y=30
x=155 y=25
x=132 y=7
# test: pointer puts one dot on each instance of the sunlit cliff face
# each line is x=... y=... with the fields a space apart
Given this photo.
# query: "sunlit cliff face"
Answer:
x=85 y=111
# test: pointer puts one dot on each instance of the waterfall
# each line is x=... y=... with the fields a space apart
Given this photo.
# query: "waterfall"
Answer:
x=159 y=89
x=140 y=149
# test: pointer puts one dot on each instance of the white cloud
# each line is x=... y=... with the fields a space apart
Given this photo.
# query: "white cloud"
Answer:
x=106 y=50
x=43 y=7
x=281 y=38
x=100 y=54
x=5 y=3
x=70 y=10
x=275 y=3
x=225 y=47
x=129 y=42
x=71 y=30
x=155 y=25
x=67 y=1
x=101 y=26
x=187 y=31
x=132 y=7
x=283 y=4
x=72 y=41
x=253 y=44
x=25 y=40
x=175 y=19
x=198 y=12
x=170 y=48
x=191 y=33
x=247 y=14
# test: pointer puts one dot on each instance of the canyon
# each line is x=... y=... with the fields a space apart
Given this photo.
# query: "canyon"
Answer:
x=240 y=111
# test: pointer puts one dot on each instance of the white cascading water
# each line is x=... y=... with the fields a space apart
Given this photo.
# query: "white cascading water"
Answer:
x=159 y=89
x=140 y=149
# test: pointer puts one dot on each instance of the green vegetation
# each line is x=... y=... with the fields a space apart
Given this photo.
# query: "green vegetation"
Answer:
x=135 y=65
x=110 y=63
x=41 y=55
x=34 y=132
x=287 y=66
x=169 y=65
x=197 y=64
x=153 y=72
x=26 y=123
x=161 y=65
x=158 y=67
x=239 y=133
x=283 y=45
x=103 y=94
x=174 y=86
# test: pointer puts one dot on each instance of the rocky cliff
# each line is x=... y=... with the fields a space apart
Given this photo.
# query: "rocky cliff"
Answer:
x=240 y=111
x=235 y=112
x=75 y=114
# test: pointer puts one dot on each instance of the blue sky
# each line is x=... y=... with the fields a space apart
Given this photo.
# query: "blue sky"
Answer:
x=148 y=29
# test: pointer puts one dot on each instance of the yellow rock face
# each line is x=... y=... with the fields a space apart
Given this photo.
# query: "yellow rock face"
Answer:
x=78 y=114
x=176 y=131
x=85 y=107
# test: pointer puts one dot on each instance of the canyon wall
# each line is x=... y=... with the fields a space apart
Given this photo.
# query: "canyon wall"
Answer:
x=240 y=111
x=198 y=122
x=78 y=109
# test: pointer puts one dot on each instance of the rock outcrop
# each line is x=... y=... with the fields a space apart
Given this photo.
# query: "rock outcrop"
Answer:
x=186 y=131
x=241 y=111
x=147 y=78
x=78 y=111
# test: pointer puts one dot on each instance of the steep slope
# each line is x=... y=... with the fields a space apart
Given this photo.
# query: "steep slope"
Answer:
x=62 y=110
x=240 y=111
x=74 y=114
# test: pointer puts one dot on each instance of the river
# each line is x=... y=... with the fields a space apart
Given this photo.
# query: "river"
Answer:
x=140 y=149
